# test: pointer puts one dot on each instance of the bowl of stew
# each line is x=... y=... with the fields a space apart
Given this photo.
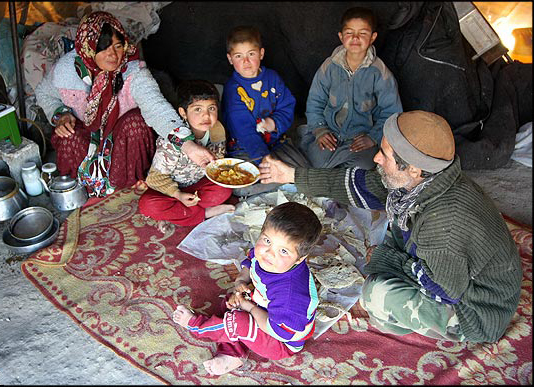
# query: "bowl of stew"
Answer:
x=243 y=175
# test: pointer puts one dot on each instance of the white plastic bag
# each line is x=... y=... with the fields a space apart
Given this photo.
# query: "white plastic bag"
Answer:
x=523 y=145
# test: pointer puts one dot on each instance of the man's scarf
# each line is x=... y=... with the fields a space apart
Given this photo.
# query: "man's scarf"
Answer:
x=402 y=203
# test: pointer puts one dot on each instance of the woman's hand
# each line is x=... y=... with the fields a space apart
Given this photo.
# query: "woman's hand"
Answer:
x=240 y=286
x=200 y=155
x=237 y=297
x=327 y=141
x=275 y=171
x=361 y=142
x=65 y=125
x=245 y=304
x=188 y=199
x=241 y=282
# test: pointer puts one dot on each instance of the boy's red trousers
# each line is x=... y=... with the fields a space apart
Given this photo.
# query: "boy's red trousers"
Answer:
x=162 y=207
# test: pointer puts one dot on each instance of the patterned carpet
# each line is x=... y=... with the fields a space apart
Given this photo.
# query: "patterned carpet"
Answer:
x=119 y=279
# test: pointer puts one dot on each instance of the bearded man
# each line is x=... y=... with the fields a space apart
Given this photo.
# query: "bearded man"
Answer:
x=448 y=267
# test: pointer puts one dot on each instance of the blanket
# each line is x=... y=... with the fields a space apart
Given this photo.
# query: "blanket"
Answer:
x=119 y=279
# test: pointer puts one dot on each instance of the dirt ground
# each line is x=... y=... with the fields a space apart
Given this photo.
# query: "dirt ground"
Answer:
x=39 y=345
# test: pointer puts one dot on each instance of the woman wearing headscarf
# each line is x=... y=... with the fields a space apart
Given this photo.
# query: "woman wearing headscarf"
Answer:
x=105 y=104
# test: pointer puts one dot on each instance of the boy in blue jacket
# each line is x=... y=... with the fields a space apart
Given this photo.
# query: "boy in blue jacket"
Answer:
x=351 y=96
x=257 y=107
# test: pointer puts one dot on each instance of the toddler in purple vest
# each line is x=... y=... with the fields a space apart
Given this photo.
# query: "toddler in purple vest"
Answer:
x=278 y=315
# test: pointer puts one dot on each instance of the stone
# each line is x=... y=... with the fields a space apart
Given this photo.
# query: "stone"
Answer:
x=16 y=156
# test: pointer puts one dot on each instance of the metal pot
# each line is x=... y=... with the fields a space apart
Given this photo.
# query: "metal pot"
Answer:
x=66 y=193
x=12 y=198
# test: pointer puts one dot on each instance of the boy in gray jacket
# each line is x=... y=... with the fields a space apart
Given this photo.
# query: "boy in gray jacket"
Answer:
x=351 y=96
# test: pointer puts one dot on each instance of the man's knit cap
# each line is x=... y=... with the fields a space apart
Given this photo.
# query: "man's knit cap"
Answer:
x=422 y=139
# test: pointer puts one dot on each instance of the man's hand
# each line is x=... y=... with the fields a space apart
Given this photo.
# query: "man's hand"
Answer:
x=200 y=155
x=327 y=141
x=65 y=125
x=361 y=142
x=369 y=252
x=188 y=199
x=275 y=171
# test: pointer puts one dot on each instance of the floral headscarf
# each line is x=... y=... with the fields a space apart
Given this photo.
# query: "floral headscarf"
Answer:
x=102 y=103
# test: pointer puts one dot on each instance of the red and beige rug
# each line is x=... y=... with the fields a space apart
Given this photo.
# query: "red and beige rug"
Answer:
x=120 y=279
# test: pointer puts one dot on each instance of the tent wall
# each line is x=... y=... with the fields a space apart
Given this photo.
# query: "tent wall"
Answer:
x=420 y=42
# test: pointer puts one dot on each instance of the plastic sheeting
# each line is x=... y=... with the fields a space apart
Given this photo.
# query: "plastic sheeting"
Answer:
x=139 y=18
x=32 y=12
x=7 y=62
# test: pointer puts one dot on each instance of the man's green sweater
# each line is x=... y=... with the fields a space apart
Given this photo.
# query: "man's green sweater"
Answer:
x=460 y=238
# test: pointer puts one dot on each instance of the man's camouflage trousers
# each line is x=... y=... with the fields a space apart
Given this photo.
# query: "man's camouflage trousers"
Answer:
x=394 y=306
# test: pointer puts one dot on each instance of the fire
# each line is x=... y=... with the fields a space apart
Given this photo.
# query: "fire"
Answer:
x=504 y=29
x=505 y=17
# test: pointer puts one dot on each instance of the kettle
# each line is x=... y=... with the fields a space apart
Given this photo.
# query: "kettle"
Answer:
x=66 y=192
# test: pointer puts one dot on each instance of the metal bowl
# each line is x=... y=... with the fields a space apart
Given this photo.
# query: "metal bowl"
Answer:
x=31 y=224
x=19 y=247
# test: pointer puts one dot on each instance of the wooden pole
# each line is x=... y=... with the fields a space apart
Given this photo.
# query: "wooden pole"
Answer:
x=16 y=57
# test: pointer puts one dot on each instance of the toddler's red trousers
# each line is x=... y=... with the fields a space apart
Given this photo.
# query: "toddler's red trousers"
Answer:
x=236 y=333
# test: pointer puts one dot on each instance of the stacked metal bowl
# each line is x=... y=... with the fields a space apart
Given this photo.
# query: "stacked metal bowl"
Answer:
x=30 y=229
x=12 y=198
